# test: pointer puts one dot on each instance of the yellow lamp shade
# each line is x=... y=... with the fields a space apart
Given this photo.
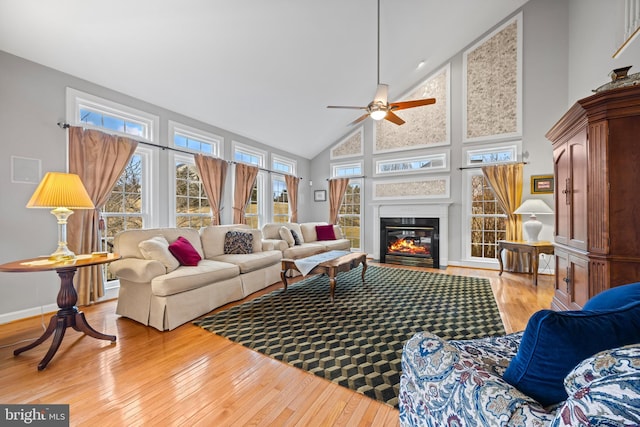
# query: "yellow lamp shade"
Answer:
x=61 y=190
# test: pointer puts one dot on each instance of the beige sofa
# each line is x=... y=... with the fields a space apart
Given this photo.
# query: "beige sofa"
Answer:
x=165 y=300
x=306 y=231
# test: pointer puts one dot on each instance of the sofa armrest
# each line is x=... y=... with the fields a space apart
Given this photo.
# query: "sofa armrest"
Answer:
x=459 y=383
x=267 y=245
x=137 y=270
x=276 y=244
x=603 y=389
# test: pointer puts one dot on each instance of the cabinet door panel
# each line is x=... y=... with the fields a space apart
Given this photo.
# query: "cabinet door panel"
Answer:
x=562 y=199
x=561 y=296
x=579 y=282
x=578 y=190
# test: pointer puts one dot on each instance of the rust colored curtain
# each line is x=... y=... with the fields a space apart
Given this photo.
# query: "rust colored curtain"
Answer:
x=213 y=173
x=506 y=183
x=337 y=188
x=292 y=194
x=245 y=180
x=99 y=159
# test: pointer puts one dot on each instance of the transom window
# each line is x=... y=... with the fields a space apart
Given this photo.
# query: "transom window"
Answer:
x=346 y=169
x=283 y=164
x=84 y=109
x=195 y=140
x=425 y=163
x=492 y=155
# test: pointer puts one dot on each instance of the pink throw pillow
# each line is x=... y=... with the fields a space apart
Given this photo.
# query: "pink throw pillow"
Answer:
x=184 y=252
x=325 y=232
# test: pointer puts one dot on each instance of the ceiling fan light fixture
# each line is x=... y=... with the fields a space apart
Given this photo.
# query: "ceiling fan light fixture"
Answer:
x=378 y=114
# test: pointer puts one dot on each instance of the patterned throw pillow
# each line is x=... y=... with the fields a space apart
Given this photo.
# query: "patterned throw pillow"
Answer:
x=296 y=238
x=237 y=242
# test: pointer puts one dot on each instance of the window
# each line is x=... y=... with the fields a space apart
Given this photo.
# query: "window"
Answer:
x=488 y=220
x=485 y=221
x=91 y=111
x=192 y=208
x=195 y=140
x=346 y=169
x=425 y=163
x=283 y=164
x=349 y=214
x=280 y=200
x=255 y=209
x=127 y=206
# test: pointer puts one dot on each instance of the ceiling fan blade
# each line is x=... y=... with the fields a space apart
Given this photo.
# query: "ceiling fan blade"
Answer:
x=382 y=94
x=393 y=118
x=347 y=107
x=359 y=119
x=403 y=105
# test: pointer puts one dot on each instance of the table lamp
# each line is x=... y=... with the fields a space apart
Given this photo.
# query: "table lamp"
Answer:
x=61 y=192
x=533 y=207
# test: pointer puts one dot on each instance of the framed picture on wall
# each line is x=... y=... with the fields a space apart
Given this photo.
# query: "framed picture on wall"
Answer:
x=541 y=184
x=320 y=196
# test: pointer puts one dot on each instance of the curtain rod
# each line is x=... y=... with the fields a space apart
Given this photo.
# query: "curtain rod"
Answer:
x=348 y=177
x=492 y=164
x=64 y=125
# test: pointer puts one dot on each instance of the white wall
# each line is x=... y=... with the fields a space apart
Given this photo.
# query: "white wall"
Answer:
x=596 y=31
x=32 y=101
x=545 y=71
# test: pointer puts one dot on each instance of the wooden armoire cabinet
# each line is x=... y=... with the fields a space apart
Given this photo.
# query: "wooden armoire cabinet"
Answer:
x=596 y=152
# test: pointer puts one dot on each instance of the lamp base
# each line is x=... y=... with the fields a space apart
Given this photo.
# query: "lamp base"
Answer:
x=63 y=253
x=532 y=227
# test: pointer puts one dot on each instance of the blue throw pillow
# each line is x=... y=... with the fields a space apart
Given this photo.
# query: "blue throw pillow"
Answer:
x=614 y=298
x=555 y=342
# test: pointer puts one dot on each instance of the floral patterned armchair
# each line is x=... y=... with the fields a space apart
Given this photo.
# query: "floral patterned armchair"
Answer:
x=460 y=383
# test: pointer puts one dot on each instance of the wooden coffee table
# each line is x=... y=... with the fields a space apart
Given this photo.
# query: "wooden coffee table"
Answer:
x=331 y=268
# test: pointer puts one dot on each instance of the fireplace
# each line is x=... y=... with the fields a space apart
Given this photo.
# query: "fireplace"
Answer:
x=410 y=241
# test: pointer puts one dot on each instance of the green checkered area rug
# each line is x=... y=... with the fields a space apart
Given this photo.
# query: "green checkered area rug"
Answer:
x=357 y=341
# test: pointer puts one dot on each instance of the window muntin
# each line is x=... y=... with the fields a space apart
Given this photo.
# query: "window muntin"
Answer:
x=192 y=209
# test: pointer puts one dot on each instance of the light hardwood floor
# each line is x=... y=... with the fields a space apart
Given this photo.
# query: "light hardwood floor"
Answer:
x=194 y=378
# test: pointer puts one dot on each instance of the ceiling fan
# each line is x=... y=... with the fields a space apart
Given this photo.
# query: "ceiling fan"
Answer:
x=380 y=108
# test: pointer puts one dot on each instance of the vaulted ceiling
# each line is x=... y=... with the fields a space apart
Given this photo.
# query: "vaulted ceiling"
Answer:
x=262 y=69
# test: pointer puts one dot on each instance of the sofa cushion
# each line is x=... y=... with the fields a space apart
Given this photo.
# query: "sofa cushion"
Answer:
x=325 y=232
x=184 y=252
x=309 y=231
x=614 y=298
x=272 y=230
x=252 y=262
x=186 y=278
x=126 y=242
x=157 y=248
x=555 y=342
x=213 y=238
x=335 y=245
x=285 y=234
x=303 y=250
x=238 y=242
x=256 y=237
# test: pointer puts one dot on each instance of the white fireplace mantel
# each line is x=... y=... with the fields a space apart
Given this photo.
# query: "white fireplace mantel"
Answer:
x=414 y=210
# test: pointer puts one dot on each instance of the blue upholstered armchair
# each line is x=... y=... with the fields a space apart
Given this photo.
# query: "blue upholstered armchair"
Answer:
x=566 y=369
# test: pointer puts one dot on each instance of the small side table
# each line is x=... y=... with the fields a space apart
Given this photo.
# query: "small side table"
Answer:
x=68 y=315
x=532 y=249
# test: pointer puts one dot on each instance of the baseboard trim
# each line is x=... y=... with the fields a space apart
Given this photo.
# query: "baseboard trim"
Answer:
x=110 y=293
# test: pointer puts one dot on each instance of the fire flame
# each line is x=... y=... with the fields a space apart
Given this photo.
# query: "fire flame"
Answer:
x=407 y=246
